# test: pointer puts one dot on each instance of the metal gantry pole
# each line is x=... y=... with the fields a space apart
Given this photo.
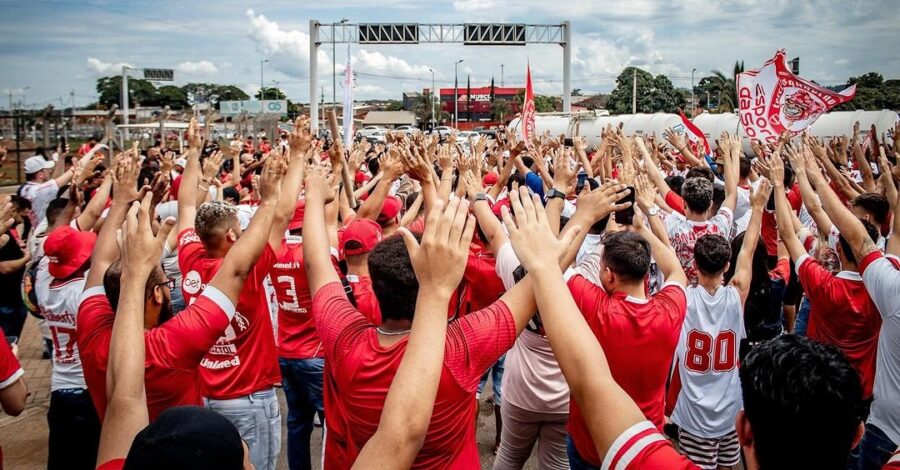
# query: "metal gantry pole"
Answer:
x=313 y=74
x=567 y=66
x=124 y=103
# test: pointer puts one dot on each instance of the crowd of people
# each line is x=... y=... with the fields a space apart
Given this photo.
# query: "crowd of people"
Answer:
x=635 y=304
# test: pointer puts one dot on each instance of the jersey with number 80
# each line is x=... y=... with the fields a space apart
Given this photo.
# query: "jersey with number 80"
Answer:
x=297 y=336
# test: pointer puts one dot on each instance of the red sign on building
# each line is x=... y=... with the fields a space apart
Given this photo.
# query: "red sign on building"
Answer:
x=479 y=102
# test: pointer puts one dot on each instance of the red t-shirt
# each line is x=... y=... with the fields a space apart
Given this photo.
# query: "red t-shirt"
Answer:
x=769 y=228
x=366 y=301
x=244 y=359
x=639 y=337
x=642 y=447
x=10 y=370
x=482 y=285
x=297 y=336
x=893 y=463
x=173 y=349
x=842 y=313
x=360 y=372
x=115 y=464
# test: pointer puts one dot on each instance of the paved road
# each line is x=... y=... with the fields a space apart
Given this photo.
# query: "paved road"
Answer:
x=24 y=438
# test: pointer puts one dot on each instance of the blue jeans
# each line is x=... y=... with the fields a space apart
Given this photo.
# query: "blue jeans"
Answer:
x=496 y=372
x=802 y=321
x=873 y=450
x=257 y=418
x=74 y=430
x=302 y=381
x=12 y=318
x=177 y=299
x=575 y=460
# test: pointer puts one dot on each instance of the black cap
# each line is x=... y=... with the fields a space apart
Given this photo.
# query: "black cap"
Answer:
x=187 y=437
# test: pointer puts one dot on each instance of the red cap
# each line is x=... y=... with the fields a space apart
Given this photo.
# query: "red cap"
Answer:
x=297 y=219
x=361 y=177
x=390 y=209
x=490 y=178
x=68 y=250
x=365 y=232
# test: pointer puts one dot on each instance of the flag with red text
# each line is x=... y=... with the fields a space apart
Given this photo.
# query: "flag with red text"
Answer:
x=773 y=100
x=694 y=134
x=528 y=111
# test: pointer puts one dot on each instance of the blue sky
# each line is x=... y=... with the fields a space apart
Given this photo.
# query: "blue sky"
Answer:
x=56 y=47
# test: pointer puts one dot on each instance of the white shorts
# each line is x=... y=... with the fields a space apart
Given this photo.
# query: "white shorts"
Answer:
x=710 y=453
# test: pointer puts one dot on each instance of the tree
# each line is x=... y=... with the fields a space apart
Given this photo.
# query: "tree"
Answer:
x=394 y=105
x=873 y=93
x=542 y=104
x=727 y=87
x=171 y=96
x=576 y=92
x=270 y=93
x=110 y=91
x=423 y=106
x=654 y=94
x=500 y=110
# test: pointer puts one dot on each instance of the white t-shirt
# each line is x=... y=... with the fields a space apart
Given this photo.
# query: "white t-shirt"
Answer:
x=683 y=234
x=532 y=379
x=707 y=356
x=40 y=195
x=59 y=305
x=882 y=280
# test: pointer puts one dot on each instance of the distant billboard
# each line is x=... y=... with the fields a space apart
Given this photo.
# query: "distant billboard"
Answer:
x=233 y=108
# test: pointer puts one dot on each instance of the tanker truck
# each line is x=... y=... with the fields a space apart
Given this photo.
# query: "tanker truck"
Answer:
x=590 y=124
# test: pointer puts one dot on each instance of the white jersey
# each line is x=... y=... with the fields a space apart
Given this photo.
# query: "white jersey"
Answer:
x=707 y=356
x=59 y=305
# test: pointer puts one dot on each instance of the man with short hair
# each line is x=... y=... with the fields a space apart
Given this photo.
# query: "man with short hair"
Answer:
x=356 y=242
x=40 y=187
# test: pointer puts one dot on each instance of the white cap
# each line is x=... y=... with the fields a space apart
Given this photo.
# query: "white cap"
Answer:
x=37 y=163
x=182 y=162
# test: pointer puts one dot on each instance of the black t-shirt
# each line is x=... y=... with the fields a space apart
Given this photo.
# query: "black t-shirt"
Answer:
x=11 y=284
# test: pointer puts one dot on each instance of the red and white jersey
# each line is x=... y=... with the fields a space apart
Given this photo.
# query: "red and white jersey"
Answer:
x=10 y=370
x=683 y=234
x=893 y=463
x=59 y=305
x=881 y=276
x=243 y=360
x=641 y=447
x=707 y=356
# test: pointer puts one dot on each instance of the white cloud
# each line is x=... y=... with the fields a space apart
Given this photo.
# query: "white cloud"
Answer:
x=377 y=62
x=473 y=5
x=288 y=50
x=204 y=67
x=841 y=62
x=105 y=68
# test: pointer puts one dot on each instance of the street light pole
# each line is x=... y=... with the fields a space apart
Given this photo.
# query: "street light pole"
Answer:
x=125 y=102
x=456 y=93
x=262 y=92
x=692 y=90
x=432 y=97
x=334 y=64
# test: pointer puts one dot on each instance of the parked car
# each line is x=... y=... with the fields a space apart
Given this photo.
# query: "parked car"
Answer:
x=442 y=131
x=464 y=135
x=377 y=136
x=408 y=130
x=367 y=131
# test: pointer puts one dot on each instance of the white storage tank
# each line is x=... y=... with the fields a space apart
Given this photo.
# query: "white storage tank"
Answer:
x=590 y=125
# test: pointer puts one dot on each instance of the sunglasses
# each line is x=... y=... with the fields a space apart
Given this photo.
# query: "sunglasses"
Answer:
x=169 y=282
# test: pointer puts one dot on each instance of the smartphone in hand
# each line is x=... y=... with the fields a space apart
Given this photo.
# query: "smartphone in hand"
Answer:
x=626 y=216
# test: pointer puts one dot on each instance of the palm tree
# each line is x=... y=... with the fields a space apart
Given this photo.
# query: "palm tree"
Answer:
x=728 y=87
x=422 y=108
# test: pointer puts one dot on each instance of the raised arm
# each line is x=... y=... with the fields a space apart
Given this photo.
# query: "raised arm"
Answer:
x=391 y=168
x=783 y=209
x=799 y=161
x=243 y=255
x=187 y=191
x=126 y=410
x=439 y=262
x=316 y=254
x=92 y=211
x=732 y=169
x=743 y=272
x=300 y=143
x=608 y=410
x=664 y=255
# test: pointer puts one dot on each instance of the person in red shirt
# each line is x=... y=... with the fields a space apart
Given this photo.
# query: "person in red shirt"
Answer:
x=356 y=240
x=239 y=372
x=791 y=386
x=841 y=311
x=13 y=391
x=610 y=292
x=361 y=359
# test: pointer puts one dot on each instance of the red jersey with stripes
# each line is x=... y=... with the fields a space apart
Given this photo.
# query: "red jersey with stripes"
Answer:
x=642 y=447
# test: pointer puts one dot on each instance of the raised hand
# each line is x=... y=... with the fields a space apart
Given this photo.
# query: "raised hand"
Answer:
x=125 y=177
x=301 y=137
x=141 y=250
x=319 y=185
x=212 y=165
x=194 y=135
x=270 y=179
x=760 y=196
x=674 y=139
x=563 y=174
x=439 y=260
x=167 y=162
x=530 y=234
x=600 y=202
x=392 y=164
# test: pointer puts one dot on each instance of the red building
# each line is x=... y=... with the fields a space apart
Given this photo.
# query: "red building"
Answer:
x=479 y=102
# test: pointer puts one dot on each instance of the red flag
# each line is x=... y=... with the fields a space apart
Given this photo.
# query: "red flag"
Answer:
x=773 y=100
x=694 y=134
x=528 y=111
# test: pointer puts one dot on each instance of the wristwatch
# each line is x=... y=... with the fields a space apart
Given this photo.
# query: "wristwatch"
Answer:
x=555 y=193
x=653 y=211
x=481 y=197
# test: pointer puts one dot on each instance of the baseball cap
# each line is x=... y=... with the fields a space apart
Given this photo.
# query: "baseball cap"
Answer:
x=390 y=209
x=182 y=162
x=361 y=177
x=365 y=232
x=187 y=437
x=490 y=179
x=37 y=163
x=67 y=250
x=297 y=219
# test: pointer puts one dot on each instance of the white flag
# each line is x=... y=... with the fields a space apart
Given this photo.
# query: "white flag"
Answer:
x=348 y=102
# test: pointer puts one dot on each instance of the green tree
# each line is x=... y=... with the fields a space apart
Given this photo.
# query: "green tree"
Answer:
x=727 y=87
x=394 y=105
x=654 y=94
x=171 y=96
x=110 y=91
x=872 y=93
x=270 y=93
x=500 y=111
x=542 y=104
